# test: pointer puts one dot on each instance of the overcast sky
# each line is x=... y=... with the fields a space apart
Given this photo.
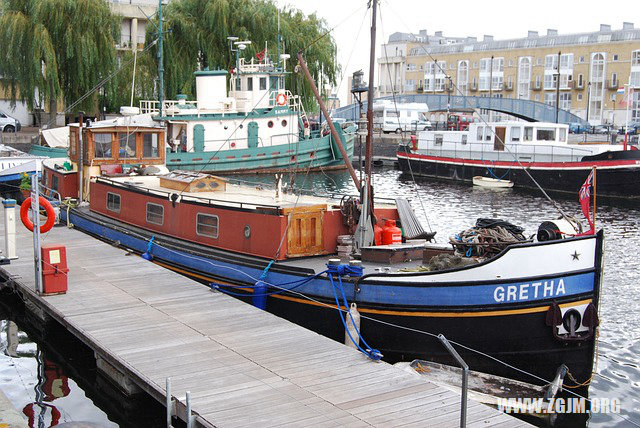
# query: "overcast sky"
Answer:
x=504 y=19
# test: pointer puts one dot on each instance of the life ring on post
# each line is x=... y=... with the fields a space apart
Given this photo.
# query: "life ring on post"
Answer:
x=281 y=99
x=24 y=214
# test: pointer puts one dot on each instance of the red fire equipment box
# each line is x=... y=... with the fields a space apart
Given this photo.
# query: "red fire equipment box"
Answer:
x=54 y=269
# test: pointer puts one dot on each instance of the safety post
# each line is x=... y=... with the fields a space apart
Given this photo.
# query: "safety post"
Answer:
x=35 y=208
x=169 y=402
x=465 y=378
x=9 y=230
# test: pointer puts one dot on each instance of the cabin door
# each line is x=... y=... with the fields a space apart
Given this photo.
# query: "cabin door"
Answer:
x=498 y=141
x=252 y=135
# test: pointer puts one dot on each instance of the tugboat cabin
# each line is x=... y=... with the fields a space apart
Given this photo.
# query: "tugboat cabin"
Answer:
x=109 y=147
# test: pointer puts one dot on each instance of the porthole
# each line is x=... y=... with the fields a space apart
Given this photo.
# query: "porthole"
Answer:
x=284 y=122
x=247 y=231
x=270 y=124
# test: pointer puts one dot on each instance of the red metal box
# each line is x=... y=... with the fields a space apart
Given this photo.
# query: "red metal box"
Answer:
x=54 y=269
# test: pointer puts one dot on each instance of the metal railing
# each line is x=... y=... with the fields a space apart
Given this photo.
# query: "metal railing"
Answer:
x=521 y=152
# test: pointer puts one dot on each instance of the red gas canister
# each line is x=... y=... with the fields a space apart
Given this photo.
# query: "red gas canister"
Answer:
x=54 y=269
x=390 y=233
x=377 y=234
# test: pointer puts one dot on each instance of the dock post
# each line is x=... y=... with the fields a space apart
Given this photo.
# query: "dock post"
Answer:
x=465 y=378
x=35 y=208
x=10 y=229
x=169 y=402
x=189 y=418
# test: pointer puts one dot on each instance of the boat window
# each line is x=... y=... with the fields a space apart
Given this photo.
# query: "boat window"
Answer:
x=438 y=140
x=250 y=83
x=127 y=145
x=479 y=136
x=155 y=213
x=273 y=83
x=150 y=145
x=488 y=133
x=546 y=134
x=238 y=84
x=55 y=181
x=393 y=113
x=284 y=122
x=515 y=134
x=207 y=225
x=113 y=202
x=102 y=145
x=528 y=133
x=563 y=134
x=464 y=139
x=263 y=83
x=270 y=124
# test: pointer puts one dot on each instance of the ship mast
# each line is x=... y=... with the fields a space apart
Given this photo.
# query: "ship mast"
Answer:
x=160 y=59
x=368 y=143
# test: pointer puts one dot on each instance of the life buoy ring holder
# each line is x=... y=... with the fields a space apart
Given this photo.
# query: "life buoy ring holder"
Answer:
x=24 y=214
x=281 y=99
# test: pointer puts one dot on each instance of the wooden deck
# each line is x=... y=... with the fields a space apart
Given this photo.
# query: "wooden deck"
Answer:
x=243 y=366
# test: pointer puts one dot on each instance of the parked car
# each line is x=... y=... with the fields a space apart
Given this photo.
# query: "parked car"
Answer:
x=8 y=123
x=602 y=129
x=578 y=128
x=634 y=128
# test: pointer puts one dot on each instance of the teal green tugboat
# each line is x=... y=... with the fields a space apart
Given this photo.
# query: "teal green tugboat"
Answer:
x=255 y=125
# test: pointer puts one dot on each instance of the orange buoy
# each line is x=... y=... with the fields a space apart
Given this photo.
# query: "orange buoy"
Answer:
x=24 y=214
x=281 y=99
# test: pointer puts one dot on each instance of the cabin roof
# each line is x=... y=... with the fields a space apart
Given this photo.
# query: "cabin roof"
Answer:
x=248 y=196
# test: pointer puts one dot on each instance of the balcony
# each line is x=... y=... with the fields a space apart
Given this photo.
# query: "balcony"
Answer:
x=612 y=84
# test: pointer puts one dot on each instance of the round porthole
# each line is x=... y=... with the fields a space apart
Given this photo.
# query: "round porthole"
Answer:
x=270 y=124
x=226 y=127
x=247 y=231
x=241 y=126
x=284 y=122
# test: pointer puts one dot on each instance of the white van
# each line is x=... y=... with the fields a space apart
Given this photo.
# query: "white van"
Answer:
x=397 y=117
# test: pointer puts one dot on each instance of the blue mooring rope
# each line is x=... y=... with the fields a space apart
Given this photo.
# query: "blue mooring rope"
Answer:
x=340 y=271
x=147 y=254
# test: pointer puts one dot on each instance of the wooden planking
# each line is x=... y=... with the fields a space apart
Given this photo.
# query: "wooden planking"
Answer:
x=243 y=366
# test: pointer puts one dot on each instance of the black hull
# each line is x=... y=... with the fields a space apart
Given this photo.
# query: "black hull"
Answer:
x=621 y=183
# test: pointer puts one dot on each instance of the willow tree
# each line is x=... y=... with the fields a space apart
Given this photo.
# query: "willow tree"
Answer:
x=55 y=49
x=198 y=31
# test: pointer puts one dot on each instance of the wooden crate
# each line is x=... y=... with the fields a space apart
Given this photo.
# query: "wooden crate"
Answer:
x=187 y=181
x=395 y=253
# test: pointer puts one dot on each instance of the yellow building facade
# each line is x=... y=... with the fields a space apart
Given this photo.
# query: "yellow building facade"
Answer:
x=588 y=74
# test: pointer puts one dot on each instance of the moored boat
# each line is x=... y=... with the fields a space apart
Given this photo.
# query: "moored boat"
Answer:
x=254 y=126
x=534 y=305
x=520 y=151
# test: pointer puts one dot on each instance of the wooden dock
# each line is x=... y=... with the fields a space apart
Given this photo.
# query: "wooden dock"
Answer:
x=243 y=366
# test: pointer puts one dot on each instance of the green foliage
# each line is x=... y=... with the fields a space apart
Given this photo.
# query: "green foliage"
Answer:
x=25 y=182
x=56 y=48
x=117 y=92
x=198 y=39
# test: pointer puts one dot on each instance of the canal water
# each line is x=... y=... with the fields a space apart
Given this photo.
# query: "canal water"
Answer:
x=38 y=374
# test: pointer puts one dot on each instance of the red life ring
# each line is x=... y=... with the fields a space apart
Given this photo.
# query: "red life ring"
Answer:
x=281 y=99
x=24 y=214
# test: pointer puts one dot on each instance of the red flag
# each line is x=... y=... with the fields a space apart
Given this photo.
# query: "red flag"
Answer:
x=585 y=202
x=260 y=55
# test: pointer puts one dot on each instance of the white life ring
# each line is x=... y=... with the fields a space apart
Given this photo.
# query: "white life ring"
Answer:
x=281 y=99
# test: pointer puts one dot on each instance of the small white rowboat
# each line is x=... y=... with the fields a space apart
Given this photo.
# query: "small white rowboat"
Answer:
x=495 y=183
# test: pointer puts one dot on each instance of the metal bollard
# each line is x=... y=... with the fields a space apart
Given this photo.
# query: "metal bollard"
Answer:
x=465 y=377
x=169 y=402
x=10 y=228
x=189 y=418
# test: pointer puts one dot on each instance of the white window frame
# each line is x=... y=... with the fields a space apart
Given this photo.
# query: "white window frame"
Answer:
x=147 y=213
x=217 y=226
x=109 y=208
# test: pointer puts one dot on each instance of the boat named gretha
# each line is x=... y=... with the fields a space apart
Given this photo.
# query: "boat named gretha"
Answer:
x=511 y=151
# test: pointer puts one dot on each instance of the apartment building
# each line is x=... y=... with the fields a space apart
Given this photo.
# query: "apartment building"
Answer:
x=392 y=60
x=135 y=14
x=584 y=73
